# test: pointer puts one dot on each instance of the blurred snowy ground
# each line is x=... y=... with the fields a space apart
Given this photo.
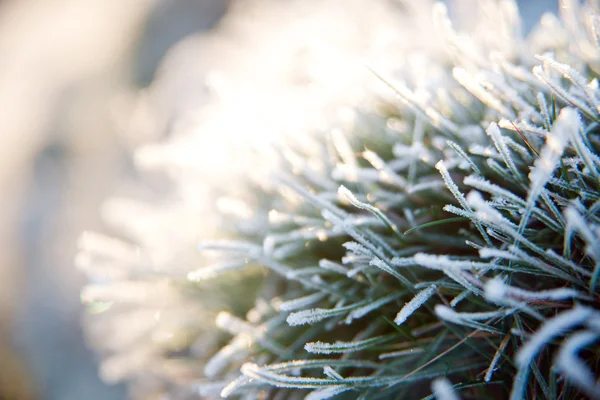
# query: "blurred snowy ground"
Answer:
x=69 y=79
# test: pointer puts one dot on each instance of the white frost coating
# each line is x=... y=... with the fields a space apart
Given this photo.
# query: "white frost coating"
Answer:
x=268 y=246
x=327 y=393
x=229 y=246
x=575 y=222
x=208 y=389
x=484 y=211
x=385 y=267
x=442 y=262
x=544 y=166
x=330 y=372
x=301 y=302
x=487 y=252
x=538 y=72
x=425 y=185
x=343 y=347
x=443 y=390
x=523 y=152
x=495 y=290
x=323 y=348
x=212 y=271
x=362 y=311
x=567 y=263
x=414 y=101
x=459 y=211
x=502 y=148
x=347 y=195
x=552 y=328
x=484 y=151
x=544 y=109
x=431 y=261
x=538 y=263
x=354 y=259
x=317 y=314
x=235 y=325
x=307 y=316
x=417 y=301
x=343 y=172
x=456 y=147
x=277 y=218
x=511 y=96
x=590 y=159
x=575 y=77
x=332 y=266
x=570 y=365
x=228 y=322
x=232 y=386
x=357 y=270
x=451 y=185
x=287 y=250
x=357 y=248
x=449 y=314
x=550 y=294
x=253 y=371
x=460 y=297
x=472 y=85
x=236 y=350
x=464 y=278
x=402 y=261
x=522 y=126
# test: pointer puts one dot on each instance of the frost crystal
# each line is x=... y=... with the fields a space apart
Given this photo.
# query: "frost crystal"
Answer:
x=413 y=305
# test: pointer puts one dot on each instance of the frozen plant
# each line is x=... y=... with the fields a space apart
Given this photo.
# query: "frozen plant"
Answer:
x=441 y=233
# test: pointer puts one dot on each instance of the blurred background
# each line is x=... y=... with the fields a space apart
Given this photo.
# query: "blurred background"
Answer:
x=76 y=78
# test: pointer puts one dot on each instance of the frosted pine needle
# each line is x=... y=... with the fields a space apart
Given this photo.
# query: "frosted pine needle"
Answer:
x=276 y=266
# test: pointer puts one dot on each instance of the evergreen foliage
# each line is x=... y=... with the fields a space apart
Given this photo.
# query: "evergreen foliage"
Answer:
x=448 y=243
